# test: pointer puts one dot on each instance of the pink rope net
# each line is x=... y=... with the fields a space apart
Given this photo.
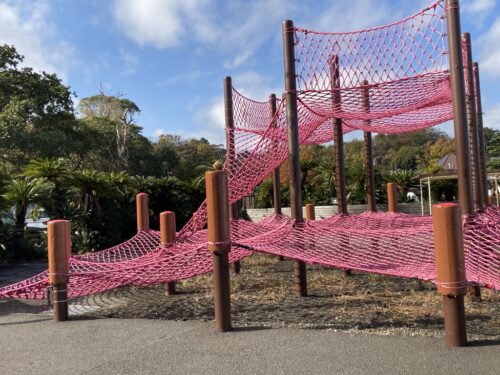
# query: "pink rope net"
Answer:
x=408 y=88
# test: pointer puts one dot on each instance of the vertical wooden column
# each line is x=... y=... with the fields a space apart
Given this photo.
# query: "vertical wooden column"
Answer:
x=293 y=145
x=338 y=137
x=480 y=130
x=459 y=107
x=142 y=209
x=59 y=251
x=167 y=237
x=338 y=140
x=310 y=212
x=477 y=189
x=276 y=172
x=392 y=197
x=218 y=243
x=450 y=270
x=229 y=121
x=370 y=177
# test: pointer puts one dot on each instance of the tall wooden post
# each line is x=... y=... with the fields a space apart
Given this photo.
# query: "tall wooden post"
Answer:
x=392 y=197
x=167 y=237
x=59 y=251
x=293 y=145
x=231 y=150
x=338 y=140
x=450 y=270
x=142 y=210
x=459 y=107
x=276 y=172
x=477 y=189
x=218 y=243
x=479 y=114
x=370 y=177
x=338 y=137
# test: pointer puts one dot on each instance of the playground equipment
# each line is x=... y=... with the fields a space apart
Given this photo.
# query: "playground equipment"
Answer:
x=390 y=79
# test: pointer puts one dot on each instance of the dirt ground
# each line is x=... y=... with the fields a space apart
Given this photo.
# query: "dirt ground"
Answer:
x=262 y=295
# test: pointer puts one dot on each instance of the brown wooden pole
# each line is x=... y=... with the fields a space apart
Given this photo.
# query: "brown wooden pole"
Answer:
x=276 y=172
x=459 y=106
x=338 y=137
x=310 y=212
x=477 y=190
x=480 y=129
x=450 y=270
x=142 y=208
x=59 y=250
x=229 y=121
x=338 y=140
x=167 y=237
x=218 y=243
x=392 y=197
x=293 y=146
x=370 y=177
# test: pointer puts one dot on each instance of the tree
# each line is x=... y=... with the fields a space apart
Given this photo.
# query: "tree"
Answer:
x=23 y=191
x=120 y=112
x=28 y=100
x=56 y=172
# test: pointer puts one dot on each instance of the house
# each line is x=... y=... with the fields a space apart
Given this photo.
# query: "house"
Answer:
x=448 y=162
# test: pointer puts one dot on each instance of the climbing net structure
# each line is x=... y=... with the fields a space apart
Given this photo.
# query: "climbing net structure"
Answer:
x=390 y=79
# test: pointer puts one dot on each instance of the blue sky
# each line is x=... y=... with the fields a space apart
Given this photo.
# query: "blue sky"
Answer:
x=170 y=56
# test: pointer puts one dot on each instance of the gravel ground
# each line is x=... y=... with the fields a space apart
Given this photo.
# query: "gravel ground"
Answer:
x=262 y=296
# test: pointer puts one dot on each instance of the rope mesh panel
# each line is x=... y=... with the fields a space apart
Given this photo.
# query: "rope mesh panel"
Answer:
x=383 y=243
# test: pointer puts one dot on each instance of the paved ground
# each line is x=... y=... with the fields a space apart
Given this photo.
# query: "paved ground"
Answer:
x=34 y=344
x=31 y=343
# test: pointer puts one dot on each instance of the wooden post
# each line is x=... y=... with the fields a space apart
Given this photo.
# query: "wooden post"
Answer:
x=392 y=197
x=450 y=270
x=299 y=268
x=310 y=212
x=480 y=129
x=459 y=108
x=142 y=208
x=477 y=189
x=59 y=251
x=218 y=243
x=167 y=237
x=338 y=137
x=276 y=172
x=338 y=140
x=370 y=177
x=231 y=150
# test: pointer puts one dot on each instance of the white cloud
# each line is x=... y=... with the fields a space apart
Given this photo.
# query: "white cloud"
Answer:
x=478 y=6
x=491 y=117
x=159 y=132
x=163 y=23
x=28 y=28
x=489 y=51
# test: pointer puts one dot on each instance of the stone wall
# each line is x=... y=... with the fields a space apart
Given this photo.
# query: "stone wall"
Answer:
x=323 y=212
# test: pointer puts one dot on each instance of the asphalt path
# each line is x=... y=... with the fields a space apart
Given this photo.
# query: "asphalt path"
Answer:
x=34 y=344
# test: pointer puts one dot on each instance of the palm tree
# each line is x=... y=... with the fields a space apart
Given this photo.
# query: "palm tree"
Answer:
x=217 y=165
x=88 y=186
x=265 y=193
x=54 y=170
x=21 y=192
x=325 y=178
x=404 y=180
x=356 y=181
